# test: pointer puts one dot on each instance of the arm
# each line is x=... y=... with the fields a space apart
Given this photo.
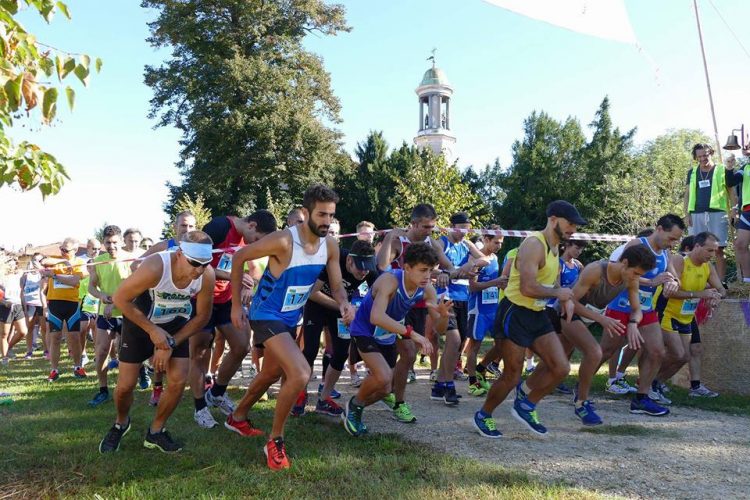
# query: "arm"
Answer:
x=320 y=298
x=715 y=282
x=438 y=313
x=94 y=289
x=686 y=200
x=387 y=252
x=23 y=295
x=530 y=258
x=505 y=275
x=334 y=280
x=732 y=177
x=478 y=286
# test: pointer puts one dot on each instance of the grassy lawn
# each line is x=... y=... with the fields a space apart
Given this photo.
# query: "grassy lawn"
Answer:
x=50 y=437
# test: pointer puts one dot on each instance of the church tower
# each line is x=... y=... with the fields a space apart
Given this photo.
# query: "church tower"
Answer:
x=434 y=94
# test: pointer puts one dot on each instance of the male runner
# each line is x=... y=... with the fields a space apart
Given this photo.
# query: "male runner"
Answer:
x=297 y=256
x=158 y=321
x=105 y=276
x=366 y=231
x=380 y=320
x=522 y=323
x=132 y=243
x=648 y=337
x=295 y=216
x=64 y=273
x=227 y=233
x=183 y=224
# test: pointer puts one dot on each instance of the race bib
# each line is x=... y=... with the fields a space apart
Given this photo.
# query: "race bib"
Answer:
x=225 y=262
x=382 y=335
x=295 y=297
x=168 y=306
x=543 y=302
x=704 y=184
x=57 y=284
x=490 y=295
x=363 y=289
x=689 y=306
x=90 y=301
x=646 y=298
x=343 y=330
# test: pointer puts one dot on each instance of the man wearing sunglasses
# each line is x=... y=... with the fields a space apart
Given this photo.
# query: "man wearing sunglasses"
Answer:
x=64 y=310
x=158 y=320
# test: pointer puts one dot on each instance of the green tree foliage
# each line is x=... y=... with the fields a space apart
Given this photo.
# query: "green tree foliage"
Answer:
x=486 y=184
x=196 y=206
x=26 y=68
x=251 y=103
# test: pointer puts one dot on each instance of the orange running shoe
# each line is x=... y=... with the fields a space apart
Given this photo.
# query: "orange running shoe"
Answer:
x=276 y=454
x=243 y=428
x=79 y=372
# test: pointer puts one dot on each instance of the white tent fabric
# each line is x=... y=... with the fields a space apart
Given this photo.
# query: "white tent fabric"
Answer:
x=606 y=19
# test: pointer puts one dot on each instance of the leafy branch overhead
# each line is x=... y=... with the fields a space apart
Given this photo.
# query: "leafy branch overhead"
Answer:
x=32 y=77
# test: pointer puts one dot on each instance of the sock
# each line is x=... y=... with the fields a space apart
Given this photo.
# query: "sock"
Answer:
x=200 y=403
x=639 y=396
x=619 y=375
x=218 y=390
x=483 y=414
x=472 y=379
x=530 y=363
x=104 y=390
x=655 y=385
x=525 y=388
x=481 y=368
x=440 y=385
x=694 y=384
x=357 y=403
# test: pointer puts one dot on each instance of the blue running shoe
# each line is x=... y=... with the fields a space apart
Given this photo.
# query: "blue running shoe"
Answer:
x=525 y=412
x=486 y=426
x=563 y=389
x=143 y=380
x=113 y=364
x=334 y=393
x=438 y=392
x=101 y=397
x=646 y=406
x=352 y=418
x=519 y=391
x=587 y=414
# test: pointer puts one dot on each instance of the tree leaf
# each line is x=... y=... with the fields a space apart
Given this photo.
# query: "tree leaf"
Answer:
x=98 y=64
x=59 y=66
x=70 y=65
x=71 y=95
x=13 y=92
x=10 y=5
x=85 y=61
x=82 y=73
x=64 y=9
x=49 y=104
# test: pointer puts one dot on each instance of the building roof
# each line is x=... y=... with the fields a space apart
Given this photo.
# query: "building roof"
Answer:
x=434 y=76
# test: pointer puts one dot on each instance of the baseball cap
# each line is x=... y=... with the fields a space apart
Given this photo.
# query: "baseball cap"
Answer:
x=566 y=210
x=365 y=262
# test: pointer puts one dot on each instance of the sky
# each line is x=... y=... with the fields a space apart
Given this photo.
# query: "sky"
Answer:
x=502 y=67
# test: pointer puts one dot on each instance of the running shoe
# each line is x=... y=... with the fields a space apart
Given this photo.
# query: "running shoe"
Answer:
x=29 y=355
x=113 y=364
x=433 y=375
x=625 y=385
x=355 y=380
x=563 y=389
x=482 y=381
x=143 y=380
x=450 y=398
x=101 y=397
x=111 y=441
x=79 y=372
x=438 y=391
x=161 y=441
x=494 y=369
x=84 y=360
x=156 y=395
x=664 y=388
x=519 y=392
x=204 y=419
x=334 y=393
x=299 y=406
x=53 y=375
x=275 y=451
x=587 y=414
x=223 y=403
x=412 y=377
x=5 y=361
x=352 y=419
x=458 y=374
x=403 y=414
x=702 y=392
x=617 y=388
x=658 y=397
x=328 y=407
x=521 y=411
x=389 y=401
x=646 y=406
x=476 y=389
x=242 y=427
x=486 y=427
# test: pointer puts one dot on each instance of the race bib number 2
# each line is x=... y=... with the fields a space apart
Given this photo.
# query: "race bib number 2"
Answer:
x=295 y=297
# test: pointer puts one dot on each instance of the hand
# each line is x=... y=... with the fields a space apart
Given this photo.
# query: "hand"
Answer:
x=634 y=337
x=443 y=280
x=424 y=344
x=670 y=287
x=564 y=294
x=159 y=339
x=503 y=282
x=161 y=359
x=347 y=313
x=248 y=281
x=711 y=294
x=239 y=320
x=46 y=273
x=443 y=308
x=108 y=310
x=612 y=326
x=108 y=299
x=246 y=294
x=569 y=306
x=468 y=270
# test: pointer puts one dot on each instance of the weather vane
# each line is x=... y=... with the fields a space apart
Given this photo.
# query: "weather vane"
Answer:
x=432 y=57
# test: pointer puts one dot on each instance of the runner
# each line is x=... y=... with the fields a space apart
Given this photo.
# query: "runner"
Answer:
x=105 y=276
x=156 y=304
x=522 y=323
x=483 y=301
x=11 y=311
x=358 y=268
x=227 y=233
x=64 y=273
x=183 y=224
x=295 y=216
x=89 y=305
x=647 y=339
x=132 y=243
x=366 y=231
x=380 y=320
x=34 y=302
x=694 y=271
x=297 y=256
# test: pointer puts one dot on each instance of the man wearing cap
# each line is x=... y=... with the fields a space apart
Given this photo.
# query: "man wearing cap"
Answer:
x=521 y=322
x=358 y=272
x=158 y=321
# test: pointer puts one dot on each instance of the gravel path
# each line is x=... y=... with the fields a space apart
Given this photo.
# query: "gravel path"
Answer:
x=689 y=454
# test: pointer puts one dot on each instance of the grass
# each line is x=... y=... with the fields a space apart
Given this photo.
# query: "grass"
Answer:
x=50 y=437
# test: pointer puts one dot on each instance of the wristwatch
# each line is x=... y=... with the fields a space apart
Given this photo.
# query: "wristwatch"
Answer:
x=171 y=342
x=407 y=333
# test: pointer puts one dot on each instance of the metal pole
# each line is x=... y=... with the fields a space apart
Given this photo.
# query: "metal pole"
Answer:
x=708 y=81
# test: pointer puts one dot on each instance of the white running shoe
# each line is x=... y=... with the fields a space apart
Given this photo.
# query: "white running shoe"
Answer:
x=412 y=377
x=204 y=419
x=658 y=397
x=433 y=375
x=615 y=388
x=356 y=380
x=223 y=403
x=702 y=392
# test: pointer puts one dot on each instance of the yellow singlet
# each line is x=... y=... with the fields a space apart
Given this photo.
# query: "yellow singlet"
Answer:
x=547 y=276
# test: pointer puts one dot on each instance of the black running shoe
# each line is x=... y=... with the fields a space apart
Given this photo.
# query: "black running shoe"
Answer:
x=161 y=441
x=450 y=397
x=111 y=441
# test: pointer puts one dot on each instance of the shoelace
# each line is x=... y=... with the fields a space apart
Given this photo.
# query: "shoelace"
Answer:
x=489 y=422
x=533 y=417
x=278 y=451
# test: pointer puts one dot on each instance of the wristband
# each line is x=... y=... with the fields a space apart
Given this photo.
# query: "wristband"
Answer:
x=632 y=321
x=407 y=333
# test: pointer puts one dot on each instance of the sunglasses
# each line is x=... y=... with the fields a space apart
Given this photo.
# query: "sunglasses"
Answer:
x=196 y=263
x=66 y=250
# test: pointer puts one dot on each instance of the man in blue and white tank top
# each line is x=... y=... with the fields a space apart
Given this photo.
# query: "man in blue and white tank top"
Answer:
x=158 y=321
x=380 y=320
x=297 y=256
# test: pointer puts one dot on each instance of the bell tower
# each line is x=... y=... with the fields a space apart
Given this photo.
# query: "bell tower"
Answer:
x=434 y=94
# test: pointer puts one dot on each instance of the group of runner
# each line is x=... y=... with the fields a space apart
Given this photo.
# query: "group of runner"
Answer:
x=242 y=283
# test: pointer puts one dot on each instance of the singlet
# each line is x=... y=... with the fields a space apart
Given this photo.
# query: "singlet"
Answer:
x=646 y=293
x=568 y=278
x=12 y=285
x=485 y=301
x=57 y=290
x=546 y=277
x=510 y=254
x=224 y=238
x=283 y=298
x=32 y=289
x=109 y=276
x=89 y=303
x=165 y=304
x=458 y=254
x=603 y=293
x=694 y=279
x=397 y=309
x=398 y=262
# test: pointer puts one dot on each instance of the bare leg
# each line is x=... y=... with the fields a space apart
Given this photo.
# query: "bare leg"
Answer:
x=177 y=373
x=407 y=353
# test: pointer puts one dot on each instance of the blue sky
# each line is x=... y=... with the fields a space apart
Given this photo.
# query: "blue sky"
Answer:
x=502 y=67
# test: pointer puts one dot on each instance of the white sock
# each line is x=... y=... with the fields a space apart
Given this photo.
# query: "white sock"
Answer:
x=530 y=363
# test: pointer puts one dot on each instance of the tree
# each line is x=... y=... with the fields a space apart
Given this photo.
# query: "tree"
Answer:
x=25 y=66
x=486 y=184
x=250 y=101
x=195 y=206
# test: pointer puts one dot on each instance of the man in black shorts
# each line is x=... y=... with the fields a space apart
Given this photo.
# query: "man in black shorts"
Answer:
x=158 y=321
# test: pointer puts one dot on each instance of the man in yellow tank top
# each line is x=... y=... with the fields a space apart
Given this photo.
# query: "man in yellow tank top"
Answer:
x=521 y=322
x=695 y=272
